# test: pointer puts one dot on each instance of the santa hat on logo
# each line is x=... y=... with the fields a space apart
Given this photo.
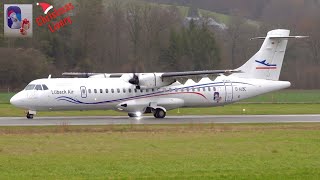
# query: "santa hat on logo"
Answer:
x=9 y=13
x=45 y=7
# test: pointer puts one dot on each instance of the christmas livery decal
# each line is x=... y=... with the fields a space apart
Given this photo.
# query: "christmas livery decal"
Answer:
x=18 y=20
x=50 y=16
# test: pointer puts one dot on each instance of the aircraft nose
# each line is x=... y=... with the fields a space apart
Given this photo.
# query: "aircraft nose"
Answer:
x=16 y=100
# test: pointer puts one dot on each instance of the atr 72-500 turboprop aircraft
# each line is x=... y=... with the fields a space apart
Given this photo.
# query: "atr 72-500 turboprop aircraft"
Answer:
x=156 y=93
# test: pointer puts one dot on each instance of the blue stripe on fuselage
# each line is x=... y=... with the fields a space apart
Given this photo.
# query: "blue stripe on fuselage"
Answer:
x=75 y=101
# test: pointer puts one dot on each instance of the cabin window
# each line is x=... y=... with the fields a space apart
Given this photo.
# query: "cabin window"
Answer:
x=147 y=90
x=141 y=90
x=203 y=89
x=107 y=91
x=135 y=90
x=152 y=89
x=193 y=89
x=124 y=90
x=38 y=87
x=198 y=89
x=95 y=90
x=177 y=89
x=101 y=91
x=44 y=87
x=209 y=89
x=29 y=87
x=89 y=90
x=112 y=90
x=214 y=88
x=118 y=90
x=129 y=90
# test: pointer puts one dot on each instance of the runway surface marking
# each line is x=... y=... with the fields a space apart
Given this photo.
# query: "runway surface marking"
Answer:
x=112 y=120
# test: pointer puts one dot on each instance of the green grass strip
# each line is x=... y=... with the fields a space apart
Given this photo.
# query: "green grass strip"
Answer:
x=261 y=151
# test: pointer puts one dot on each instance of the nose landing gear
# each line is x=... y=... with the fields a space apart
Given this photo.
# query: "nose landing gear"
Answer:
x=30 y=114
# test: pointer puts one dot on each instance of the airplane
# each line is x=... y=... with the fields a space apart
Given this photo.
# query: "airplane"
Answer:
x=156 y=93
x=263 y=62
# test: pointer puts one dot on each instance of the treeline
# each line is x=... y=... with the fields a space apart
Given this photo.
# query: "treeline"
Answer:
x=109 y=36
x=302 y=17
x=134 y=36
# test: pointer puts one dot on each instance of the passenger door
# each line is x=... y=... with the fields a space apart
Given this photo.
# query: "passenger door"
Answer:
x=83 y=91
x=228 y=90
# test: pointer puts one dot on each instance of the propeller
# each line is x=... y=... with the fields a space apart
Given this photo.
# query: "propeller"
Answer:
x=135 y=80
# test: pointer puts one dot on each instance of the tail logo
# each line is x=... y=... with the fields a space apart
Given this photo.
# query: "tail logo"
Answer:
x=265 y=65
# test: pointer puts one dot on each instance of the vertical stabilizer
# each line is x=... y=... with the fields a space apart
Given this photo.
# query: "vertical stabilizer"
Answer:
x=267 y=62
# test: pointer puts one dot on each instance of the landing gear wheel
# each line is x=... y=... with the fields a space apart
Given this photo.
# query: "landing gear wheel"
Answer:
x=29 y=116
x=132 y=115
x=159 y=113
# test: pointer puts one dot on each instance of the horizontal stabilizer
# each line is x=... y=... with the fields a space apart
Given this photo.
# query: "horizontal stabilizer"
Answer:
x=281 y=37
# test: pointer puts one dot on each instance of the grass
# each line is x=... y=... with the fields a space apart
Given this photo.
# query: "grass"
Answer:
x=5 y=98
x=222 y=18
x=264 y=151
x=252 y=109
x=288 y=96
x=183 y=10
x=226 y=19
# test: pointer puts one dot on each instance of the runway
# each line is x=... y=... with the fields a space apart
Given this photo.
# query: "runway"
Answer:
x=113 y=120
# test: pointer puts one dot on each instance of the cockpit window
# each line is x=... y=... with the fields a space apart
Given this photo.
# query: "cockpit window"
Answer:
x=29 y=87
x=44 y=87
x=38 y=87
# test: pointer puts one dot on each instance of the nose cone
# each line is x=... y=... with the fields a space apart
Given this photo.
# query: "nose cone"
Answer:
x=14 y=100
x=17 y=100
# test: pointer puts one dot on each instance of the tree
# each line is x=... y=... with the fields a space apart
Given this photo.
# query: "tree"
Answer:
x=191 y=48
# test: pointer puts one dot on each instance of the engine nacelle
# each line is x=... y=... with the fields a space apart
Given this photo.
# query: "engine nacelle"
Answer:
x=153 y=80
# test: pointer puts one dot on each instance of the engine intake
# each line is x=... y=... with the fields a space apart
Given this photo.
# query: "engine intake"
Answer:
x=150 y=80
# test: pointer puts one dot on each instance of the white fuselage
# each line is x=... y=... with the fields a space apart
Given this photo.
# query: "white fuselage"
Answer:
x=117 y=94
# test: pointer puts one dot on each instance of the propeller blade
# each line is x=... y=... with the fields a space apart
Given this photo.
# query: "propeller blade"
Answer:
x=134 y=80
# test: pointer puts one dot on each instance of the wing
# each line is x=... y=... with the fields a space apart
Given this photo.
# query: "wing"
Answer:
x=92 y=75
x=198 y=73
x=147 y=78
x=196 y=76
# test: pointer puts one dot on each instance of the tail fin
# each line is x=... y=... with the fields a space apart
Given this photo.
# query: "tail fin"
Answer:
x=267 y=62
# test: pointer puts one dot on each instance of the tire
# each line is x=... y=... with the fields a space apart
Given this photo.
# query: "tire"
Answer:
x=159 y=113
x=132 y=115
x=30 y=116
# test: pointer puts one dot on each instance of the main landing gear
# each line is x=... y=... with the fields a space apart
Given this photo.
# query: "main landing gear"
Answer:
x=159 y=113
